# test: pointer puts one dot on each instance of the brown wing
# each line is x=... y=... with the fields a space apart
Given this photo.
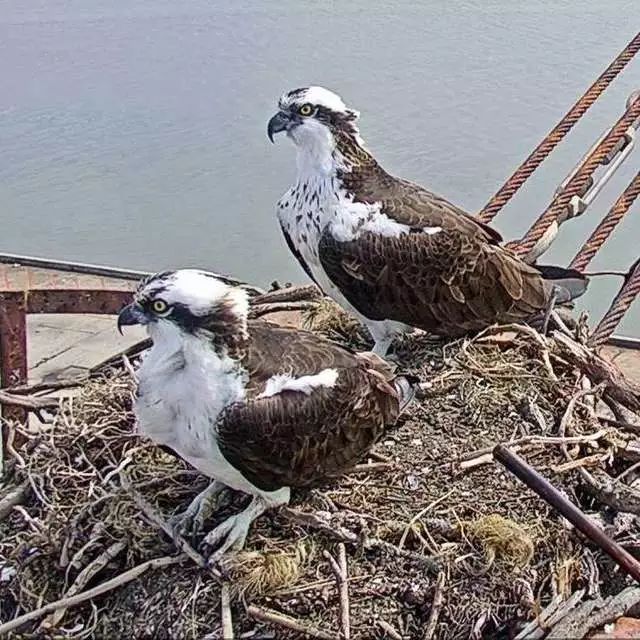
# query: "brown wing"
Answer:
x=413 y=205
x=450 y=282
x=297 y=353
x=296 y=440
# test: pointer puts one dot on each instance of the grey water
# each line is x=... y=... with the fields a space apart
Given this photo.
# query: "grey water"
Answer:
x=133 y=132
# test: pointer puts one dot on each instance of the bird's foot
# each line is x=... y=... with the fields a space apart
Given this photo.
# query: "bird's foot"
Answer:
x=191 y=521
x=234 y=530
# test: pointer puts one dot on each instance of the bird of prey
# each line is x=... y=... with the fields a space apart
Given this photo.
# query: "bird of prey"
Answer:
x=389 y=251
x=256 y=407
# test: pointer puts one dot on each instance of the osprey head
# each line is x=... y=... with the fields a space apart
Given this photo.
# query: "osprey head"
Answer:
x=187 y=301
x=311 y=113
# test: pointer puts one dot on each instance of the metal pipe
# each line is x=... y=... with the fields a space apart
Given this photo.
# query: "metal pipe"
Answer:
x=577 y=518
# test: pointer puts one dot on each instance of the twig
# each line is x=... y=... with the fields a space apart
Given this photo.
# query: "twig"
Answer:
x=436 y=606
x=13 y=498
x=626 y=472
x=419 y=515
x=31 y=403
x=260 y=310
x=155 y=518
x=225 y=606
x=550 y=615
x=370 y=466
x=83 y=578
x=288 y=294
x=595 y=613
x=339 y=569
x=53 y=385
x=337 y=532
x=281 y=620
x=485 y=455
x=389 y=630
x=109 y=585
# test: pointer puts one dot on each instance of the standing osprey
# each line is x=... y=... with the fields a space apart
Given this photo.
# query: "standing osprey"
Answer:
x=257 y=407
x=390 y=252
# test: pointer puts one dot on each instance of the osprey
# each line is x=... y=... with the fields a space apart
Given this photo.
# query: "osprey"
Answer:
x=254 y=406
x=387 y=250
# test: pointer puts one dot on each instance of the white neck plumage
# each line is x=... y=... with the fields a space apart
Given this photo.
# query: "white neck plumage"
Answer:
x=318 y=154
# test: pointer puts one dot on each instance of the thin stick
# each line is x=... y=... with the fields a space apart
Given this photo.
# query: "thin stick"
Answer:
x=155 y=518
x=560 y=503
x=84 y=577
x=13 y=498
x=30 y=403
x=281 y=620
x=225 y=605
x=339 y=569
x=389 y=630
x=109 y=585
x=436 y=606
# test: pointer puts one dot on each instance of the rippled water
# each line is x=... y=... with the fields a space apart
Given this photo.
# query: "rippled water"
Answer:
x=133 y=133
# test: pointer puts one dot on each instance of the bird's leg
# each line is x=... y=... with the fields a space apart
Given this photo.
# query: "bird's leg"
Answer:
x=549 y=310
x=382 y=338
x=200 y=508
x=234 y=530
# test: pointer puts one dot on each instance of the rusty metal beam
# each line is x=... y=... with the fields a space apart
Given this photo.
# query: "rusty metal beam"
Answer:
x=76 y=301
x=14 y=307
x=13 y=346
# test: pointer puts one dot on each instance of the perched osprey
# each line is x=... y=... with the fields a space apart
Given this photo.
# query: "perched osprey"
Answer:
x=390 y=252
x=256 y=407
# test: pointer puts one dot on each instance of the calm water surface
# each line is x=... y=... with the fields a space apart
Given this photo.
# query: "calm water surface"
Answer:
x=133 y=132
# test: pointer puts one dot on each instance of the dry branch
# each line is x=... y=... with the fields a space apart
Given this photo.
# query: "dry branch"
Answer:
x=109 y=585
x=14 y=497
x=595 y=613
x=225 y=612
x=436 y=606
x=598 y=371
x=30 y=403
x=339 y=569
x=281 y=620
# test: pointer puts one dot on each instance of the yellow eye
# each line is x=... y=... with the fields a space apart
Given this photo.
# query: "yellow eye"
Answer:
x=305 y=110
x=159 y=306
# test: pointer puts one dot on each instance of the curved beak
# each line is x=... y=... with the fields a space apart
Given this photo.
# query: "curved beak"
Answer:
x=280 y=122
x=132 y=314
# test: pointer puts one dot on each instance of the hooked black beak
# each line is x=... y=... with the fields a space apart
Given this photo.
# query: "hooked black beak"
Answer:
x=279 y=122
x=130 y=315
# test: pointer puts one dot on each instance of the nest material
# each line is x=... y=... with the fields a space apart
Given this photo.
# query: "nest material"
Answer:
x=432 y=509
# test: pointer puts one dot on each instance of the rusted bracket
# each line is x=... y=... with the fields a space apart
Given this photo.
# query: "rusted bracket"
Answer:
x=14 y=307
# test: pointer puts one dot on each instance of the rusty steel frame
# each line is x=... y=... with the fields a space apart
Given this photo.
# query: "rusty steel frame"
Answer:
x=14 y=308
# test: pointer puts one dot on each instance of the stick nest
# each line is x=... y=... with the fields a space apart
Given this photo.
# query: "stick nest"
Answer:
x=432 y=502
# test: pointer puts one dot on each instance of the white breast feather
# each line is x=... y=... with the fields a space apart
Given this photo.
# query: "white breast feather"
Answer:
x=182 y=388
x=304 y=384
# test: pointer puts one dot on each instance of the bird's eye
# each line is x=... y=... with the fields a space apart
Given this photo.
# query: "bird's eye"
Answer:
x=305 y=110
x=160 y=306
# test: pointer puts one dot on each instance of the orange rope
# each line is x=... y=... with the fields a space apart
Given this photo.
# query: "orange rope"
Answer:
x=606 y=226
x=620 y=305
x=524 y=171
x=579 y=183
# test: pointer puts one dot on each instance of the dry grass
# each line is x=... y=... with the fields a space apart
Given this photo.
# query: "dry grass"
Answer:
x=504 y=552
